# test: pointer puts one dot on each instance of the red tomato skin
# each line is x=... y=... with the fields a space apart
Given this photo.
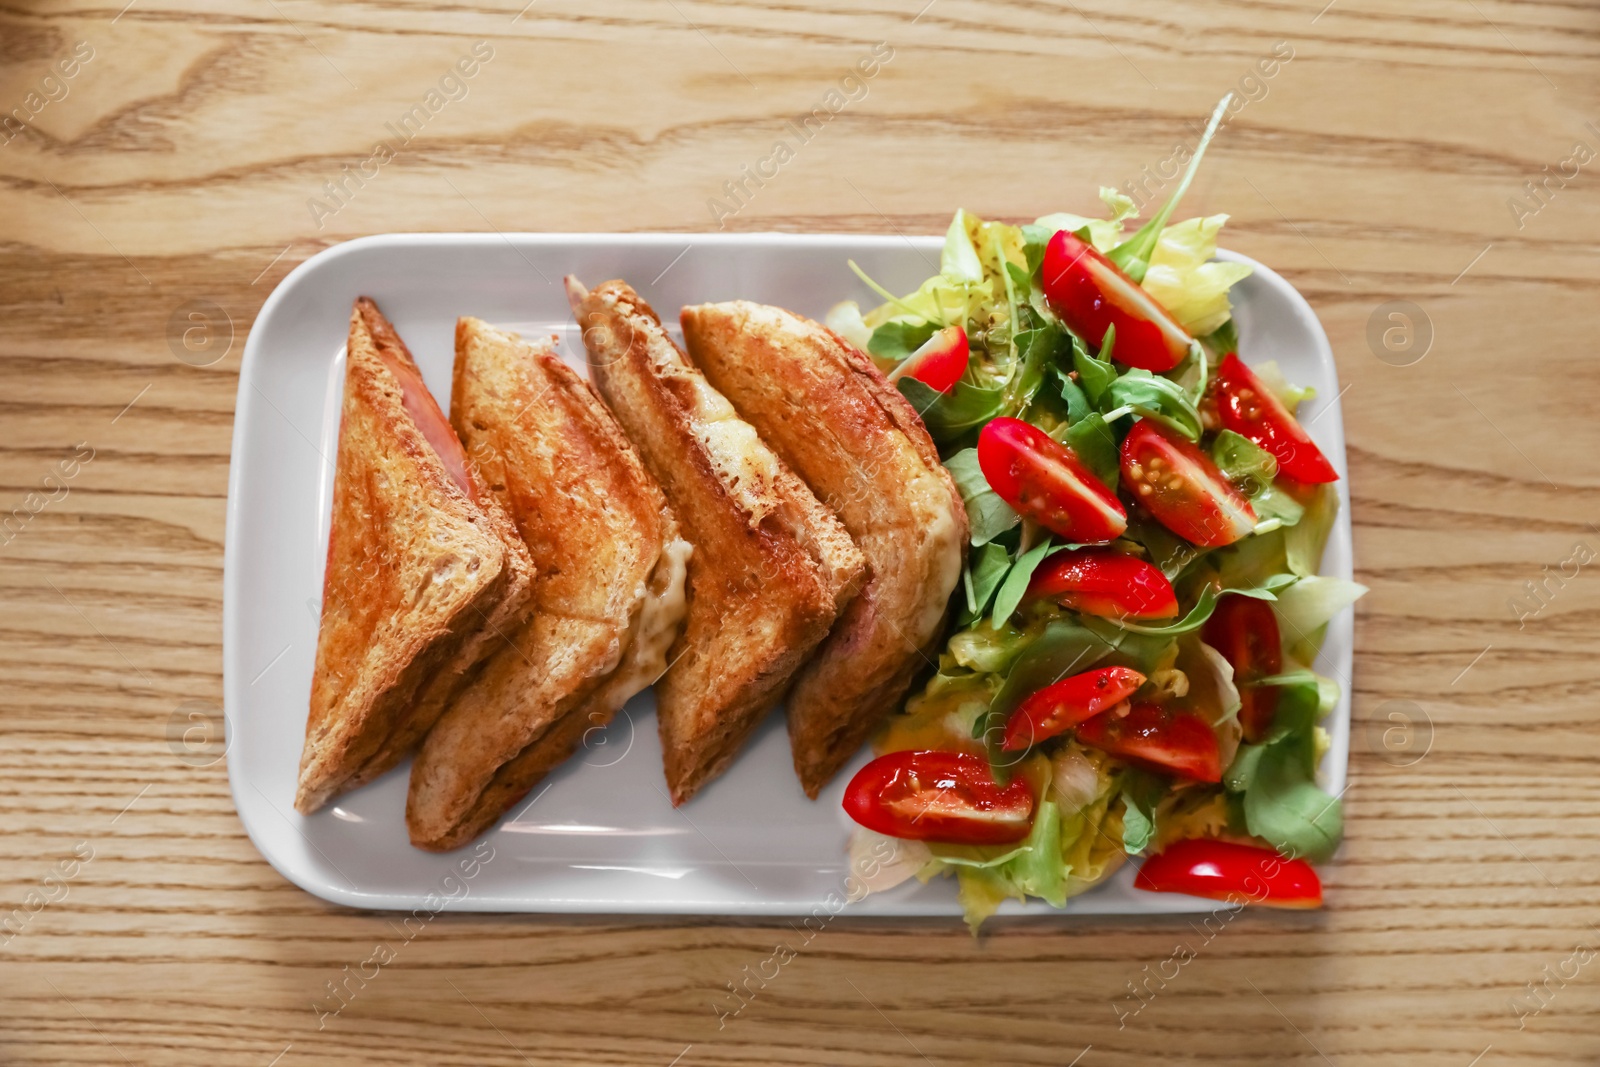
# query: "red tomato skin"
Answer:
x=1250 y=409
x=1152 y=738
x=941 y=361
x=1044 y=481
x=1091 y=293
x=1225 y=870
x=1245 y=631
x=891 y=794
x=1182 y=488
x=1100 y=581
x=1057 y=708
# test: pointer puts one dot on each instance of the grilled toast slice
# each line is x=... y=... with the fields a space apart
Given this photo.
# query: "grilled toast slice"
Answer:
x=423 y=567
x=828 y=412
x=607 y=603
x=772 y=567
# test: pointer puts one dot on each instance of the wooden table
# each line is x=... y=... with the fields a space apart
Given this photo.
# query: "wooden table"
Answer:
x=1380 y=162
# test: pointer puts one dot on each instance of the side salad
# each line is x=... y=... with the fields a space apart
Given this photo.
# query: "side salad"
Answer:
x=1130 y=674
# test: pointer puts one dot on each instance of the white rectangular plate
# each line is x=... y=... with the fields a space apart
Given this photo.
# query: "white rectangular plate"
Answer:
x=599 y=834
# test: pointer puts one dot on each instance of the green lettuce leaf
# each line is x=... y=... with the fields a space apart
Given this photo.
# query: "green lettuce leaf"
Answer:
x=958 y=260
x=1284 y=807
x=1304 y=544
x=1141 y=792
x=1186 y=278
x=1038 y=870
x=1306 y=606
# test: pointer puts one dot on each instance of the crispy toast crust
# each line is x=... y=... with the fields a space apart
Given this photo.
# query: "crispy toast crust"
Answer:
x=493 y=623
x=597 y=526
x=413 y=563
x=831 y=415
x=772 y=567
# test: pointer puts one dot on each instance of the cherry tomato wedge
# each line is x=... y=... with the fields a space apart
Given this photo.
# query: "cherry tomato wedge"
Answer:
x=939 y=362
x=1182 y=488
x=1250 y=409
x=1091 y=293
x=1099 y=581
x=1245 y=631
x=1224 y=870
x=1057 y=708
x=1153 y=738
x=1043 y=481
x=939 y=796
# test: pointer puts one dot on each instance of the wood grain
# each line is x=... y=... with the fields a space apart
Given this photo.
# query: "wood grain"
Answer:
x=1376 y=167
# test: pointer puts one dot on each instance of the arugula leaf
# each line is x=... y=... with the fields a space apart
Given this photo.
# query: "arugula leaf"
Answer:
x=1077 y=400
x=983 y=578
x=988 y=515
x=1133 y=255
x=1157 y=398
x=1064 y=647
x=1015 y=585
x=1036 y=351
x=897 y=339
x=949 y=415
x=1092 y=441
x=1019 y=277
x=1204 y=605
x=1095 y=376
x=1034 y=240
x=1252 y=468
x=1243 y=462
x=1171 y=553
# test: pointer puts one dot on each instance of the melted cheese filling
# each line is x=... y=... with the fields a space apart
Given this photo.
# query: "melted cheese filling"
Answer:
x=663 y=607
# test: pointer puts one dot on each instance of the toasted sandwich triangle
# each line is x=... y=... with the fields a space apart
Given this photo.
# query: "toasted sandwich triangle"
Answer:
x=415 y=565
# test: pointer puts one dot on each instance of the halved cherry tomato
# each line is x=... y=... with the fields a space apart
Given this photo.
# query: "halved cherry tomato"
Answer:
x=1090 y=293
x=1099 y=581
x=1045 y=482
x=1245 y=631
x=1182 y=488
x=1224 y=870
x=1156 y=739
x=1250 y=409
x=939 y=796
x=1057 y=708
x=939 y=362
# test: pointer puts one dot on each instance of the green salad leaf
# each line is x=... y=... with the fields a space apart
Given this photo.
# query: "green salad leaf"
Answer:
x=1092 y=441
x=984 y=575
x=1133 y=255
x=1154 y=397
x=1092 y=810
x=987 y=514
x=1015 y=585
x=897 y=338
